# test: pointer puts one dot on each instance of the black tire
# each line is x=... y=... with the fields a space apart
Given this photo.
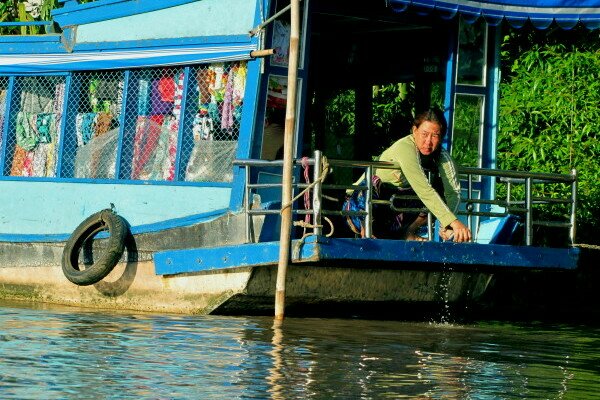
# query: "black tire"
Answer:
x=113 y=250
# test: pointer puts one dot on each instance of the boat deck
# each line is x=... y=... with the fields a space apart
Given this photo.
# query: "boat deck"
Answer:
x=369 y=253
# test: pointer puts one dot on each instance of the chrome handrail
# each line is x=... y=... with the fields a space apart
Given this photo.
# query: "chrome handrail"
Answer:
x=472 y=210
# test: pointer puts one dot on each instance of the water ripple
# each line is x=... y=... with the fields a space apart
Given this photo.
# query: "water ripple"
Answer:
x=68 y=353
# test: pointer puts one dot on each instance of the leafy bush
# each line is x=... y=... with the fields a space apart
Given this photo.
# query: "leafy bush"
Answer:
x=549 y=113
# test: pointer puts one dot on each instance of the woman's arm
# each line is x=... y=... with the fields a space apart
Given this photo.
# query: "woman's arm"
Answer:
x=408 y=158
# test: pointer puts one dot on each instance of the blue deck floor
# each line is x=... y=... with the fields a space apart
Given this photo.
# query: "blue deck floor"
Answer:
x=370 y=253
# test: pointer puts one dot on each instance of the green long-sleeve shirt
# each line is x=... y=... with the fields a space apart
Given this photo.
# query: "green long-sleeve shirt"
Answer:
x=411 y=174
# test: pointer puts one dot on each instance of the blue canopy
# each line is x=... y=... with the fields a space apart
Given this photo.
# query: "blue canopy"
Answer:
x=541 y=13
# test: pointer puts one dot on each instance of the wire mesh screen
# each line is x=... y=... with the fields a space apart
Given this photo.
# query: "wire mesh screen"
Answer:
x=160 y=124
x=92 y=125
x=151 y=129
x=32 y=140
x=215 y=103
x=3 y=91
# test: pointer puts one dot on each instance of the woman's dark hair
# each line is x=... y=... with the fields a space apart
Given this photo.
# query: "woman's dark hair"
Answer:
x=432 y=115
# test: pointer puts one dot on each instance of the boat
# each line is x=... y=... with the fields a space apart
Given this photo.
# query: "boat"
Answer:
x=142 y=165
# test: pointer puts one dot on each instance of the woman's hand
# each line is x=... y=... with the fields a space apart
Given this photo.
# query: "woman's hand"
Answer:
x=456 y=230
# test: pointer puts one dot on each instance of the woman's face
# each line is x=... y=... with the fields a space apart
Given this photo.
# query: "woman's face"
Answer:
x=428 y=137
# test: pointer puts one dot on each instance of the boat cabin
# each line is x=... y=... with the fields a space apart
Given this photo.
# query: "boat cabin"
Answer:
x=169 y=112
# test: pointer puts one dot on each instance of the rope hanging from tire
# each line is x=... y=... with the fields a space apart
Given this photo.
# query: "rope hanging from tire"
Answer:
x=105 y=220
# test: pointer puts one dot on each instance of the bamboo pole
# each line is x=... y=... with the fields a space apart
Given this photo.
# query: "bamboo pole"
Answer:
x=262 y=53
x=288 y=148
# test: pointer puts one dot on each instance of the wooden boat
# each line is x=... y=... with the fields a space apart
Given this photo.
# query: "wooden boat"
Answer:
x=150 y=128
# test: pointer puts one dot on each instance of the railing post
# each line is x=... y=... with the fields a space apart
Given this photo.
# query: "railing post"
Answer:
x=429 y=215
x=247 y=204
x=573 y=220
x=528 y=212
x=317 y=193
x=429 y=225
x=369 y=203
x=469 y=204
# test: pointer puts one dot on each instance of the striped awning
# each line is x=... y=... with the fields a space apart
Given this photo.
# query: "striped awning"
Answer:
x=541 y=13
x=117 y=59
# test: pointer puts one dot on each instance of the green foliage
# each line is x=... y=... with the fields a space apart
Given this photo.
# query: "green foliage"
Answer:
x=340 y=114
x=550 y=115
x=467 y=129
x=393 y=108
x=20 y=11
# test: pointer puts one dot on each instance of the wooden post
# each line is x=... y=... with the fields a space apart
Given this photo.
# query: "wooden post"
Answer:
x=288 y=148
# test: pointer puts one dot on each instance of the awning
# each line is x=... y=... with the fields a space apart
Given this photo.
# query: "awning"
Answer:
x=79 y=61
x=541 y=13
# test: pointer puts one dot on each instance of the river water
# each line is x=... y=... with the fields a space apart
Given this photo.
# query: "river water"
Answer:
x=49 y=352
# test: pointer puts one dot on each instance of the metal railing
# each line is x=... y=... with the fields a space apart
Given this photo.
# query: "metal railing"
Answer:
x=524 y=204
x=516 y=201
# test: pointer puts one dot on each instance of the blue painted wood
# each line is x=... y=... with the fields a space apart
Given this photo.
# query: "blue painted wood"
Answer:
x=122 y=122
x=76 y=14
x=235 y=256
x=26 y=23
x=249 y=114
x=186 y=114
x=451 y=65
x=8 y=102
x=448 y=253
x=173 y=19
x=57 y=207
x=139 y=229
x=51 y=43
x=488 y=159
x=64 y=116
x=20 y=43
x=372 y=253
x=246 y=132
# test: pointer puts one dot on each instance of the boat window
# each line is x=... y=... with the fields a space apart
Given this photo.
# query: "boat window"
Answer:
x=274 y=125
x=210 y=142
x=92 y=126
x=467 y=129
x=34 y=126
x=471 y=53
x=143 y=124
x=467 y=136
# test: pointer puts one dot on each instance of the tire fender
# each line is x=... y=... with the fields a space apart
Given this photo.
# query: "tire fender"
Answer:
x=105 y=220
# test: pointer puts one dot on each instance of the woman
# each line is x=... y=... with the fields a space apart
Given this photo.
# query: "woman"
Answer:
x=418 y=155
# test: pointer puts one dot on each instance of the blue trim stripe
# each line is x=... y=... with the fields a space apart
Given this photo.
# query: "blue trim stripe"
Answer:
x=44 y=63
x=73 y=13
x=136 y=230
x=217 y=258
x=372 y=253
x=540 y=12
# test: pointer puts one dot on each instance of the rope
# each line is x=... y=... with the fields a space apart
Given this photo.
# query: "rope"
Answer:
x=305 y=225
x=324 y=172
x=306 y=193
x=586 y=246
x=300 y=243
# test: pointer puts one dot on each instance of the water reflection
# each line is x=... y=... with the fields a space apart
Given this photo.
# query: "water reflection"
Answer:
x=275 y=377
x=68 y=353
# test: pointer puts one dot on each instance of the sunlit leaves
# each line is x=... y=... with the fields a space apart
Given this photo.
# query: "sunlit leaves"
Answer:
x=550 y=110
